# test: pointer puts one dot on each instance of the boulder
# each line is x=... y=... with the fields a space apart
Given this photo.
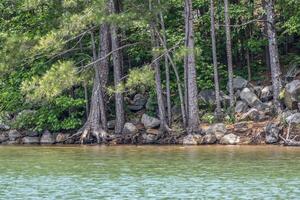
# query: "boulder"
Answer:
x=266 y=94
x=253 y=114
x=208 y=97
x=294 y=121
x=3 y=137
x=192 y=139
x=176 y=113
x=130 y=128
x=150 y=122
x=14 y=135
x=242 y=127
x=148 y=138
x=47 y=138
x=230 y=139
x=216 y=128
x=138 y=102
x=31 y=134
x=272 y=133
x=251 y=98
x=111 y=124
x=241 y=107
x=292 y=94
x=62 y=137
x=30 y=140
x=209 y=139
x=238 y=83
x=4 y=127
x=257 y=90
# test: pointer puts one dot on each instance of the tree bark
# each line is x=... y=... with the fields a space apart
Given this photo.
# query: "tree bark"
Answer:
x=167 y=69
x=229 y=53
x=273 y=49
x=117 y=62
x=192 y=92
x=214 y=54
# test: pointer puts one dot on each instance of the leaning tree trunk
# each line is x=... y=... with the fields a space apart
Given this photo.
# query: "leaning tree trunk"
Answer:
x=117 y=62
x=214 y=54
x=273 y=49
x=158 y=86
x=93 y=125
x=229 y=53
x=192 y=92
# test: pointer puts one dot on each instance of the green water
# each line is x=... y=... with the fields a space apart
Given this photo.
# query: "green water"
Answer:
x=149 y=172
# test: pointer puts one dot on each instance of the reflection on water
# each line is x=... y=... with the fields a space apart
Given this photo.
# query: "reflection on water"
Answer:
x=149 y=172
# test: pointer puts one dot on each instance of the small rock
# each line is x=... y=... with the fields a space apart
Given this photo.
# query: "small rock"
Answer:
x=152 y=131
x=150 y=122
x=266 y=94
x=130 y=128
x=192 y=139
x=242 y=127
x=209 y=139
x=230 y=139
x=217 y=128
x=253 y=114
x=14 y=135
x=294 y=121
x=139 y=102
x=47 y=138
x=272 y=133
x=241 y=107
x=238 y=83
x=61 y=137
x=30 y=140
x=148 y=138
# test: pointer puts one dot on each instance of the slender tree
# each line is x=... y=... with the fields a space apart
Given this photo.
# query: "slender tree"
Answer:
x=190 y=68
x=229 y=53
x=117 y=63
x=273 y=52
x=214 y=54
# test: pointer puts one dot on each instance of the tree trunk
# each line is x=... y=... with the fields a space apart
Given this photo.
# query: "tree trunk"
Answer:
x=96 y=121
x=192 y=92
x=273 y=49
x=215 y=63
x=117 y=62
x=229 y=53
x=248 y=64
x=167 y=69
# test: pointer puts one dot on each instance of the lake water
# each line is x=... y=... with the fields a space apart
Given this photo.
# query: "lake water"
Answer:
x=149 y=172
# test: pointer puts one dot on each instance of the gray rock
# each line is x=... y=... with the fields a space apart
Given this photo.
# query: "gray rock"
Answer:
x=209 y=139
x=130 y=128
x=150 y=122
x=32 y=134
x=62 y=137
x=272 y=133
x=230 y=139
x=14 y=135
x=239 y=83
x=266 y=94
x=292 y=94
x=258 y=90
x=148 y=138
x=217 y=128
x=293 y=118
x=4 y=127
x=241 y=107
x=30 y=140
x=253 y=114
x=3 y=137
x=138 y=103
x=111 y=124
x=47 y=138
x=242 y=127
x=252 y=100
x=192 y=139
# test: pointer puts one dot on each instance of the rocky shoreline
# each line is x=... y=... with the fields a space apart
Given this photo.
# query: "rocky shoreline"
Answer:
x=256 y=122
